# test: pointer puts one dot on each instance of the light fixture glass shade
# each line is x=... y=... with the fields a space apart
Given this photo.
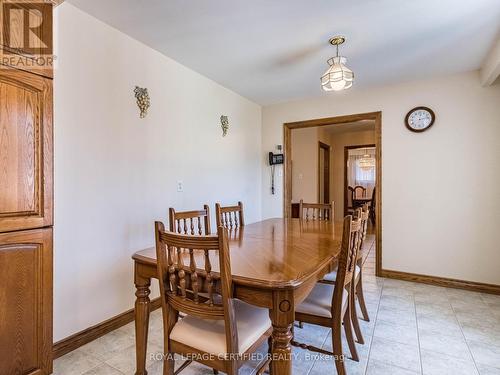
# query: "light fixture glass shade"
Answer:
x=367 y=162
x=338 y=76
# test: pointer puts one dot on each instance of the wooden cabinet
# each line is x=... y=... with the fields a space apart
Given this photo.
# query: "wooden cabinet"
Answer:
x=25 y=150
x=26 y=190
x=26 y=302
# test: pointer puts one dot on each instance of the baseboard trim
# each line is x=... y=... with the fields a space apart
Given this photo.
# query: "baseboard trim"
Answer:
x=442 y=281
x=81 y=338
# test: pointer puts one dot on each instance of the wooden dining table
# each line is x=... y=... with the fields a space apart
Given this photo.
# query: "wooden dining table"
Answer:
x=360 y=201
x=275 y=263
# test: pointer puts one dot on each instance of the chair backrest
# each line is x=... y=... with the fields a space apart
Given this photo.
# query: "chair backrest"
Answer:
x=229 y=216
x=190 y=222
x=359 y=191
x=363 y=214
x=316 y=211
x=351 y=240
x=185 y=271
x=350 y=196
x=346 y=266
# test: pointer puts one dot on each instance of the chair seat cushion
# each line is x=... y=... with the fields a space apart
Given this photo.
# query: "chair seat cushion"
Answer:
x=209 y=335
x=332 y=276
x=319 y=301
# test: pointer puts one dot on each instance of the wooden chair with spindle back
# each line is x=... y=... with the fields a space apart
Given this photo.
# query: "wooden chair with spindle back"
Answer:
x=217 y=330
x=359 y=191
x=328 y=305
x=364 y=216
x=316 y=211
x=230 y=217
x=190 y=222
x=331 y=277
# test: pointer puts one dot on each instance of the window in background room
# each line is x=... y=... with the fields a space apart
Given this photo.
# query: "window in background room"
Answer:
x=358 y=173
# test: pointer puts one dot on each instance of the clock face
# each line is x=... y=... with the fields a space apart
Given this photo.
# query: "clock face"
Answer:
x=420 y=119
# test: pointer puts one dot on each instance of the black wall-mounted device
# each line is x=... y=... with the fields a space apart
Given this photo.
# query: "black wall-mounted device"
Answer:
x=275 y=159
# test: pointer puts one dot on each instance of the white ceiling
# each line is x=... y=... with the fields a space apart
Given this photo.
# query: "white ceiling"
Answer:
x=276 y=50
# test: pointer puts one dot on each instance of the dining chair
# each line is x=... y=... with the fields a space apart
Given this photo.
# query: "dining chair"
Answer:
x=330 y=278
x=328 y=304
x=316 y=211
x=362 y=253
x=218 y=330
x=350 y=200
x=190 y=222
x=359 y=191
x=229 y=216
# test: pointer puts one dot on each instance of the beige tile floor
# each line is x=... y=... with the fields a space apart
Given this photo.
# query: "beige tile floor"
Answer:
x=414 y=329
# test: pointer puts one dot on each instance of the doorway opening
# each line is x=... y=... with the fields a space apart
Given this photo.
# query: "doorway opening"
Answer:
x=360 y=177
x=334 y=137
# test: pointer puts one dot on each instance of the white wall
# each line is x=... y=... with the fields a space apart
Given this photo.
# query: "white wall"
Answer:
x=115 y=173
x=440 y=188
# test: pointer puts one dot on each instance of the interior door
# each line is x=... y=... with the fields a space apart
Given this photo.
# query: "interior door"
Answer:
x=26 y=302
x=25 y=150
x=324 y=173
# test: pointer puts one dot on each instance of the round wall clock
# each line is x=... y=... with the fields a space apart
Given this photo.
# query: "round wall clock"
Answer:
x=420 y=119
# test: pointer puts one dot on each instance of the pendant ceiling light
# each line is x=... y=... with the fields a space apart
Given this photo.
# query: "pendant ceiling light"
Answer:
x=367 y=162
x=338 y=76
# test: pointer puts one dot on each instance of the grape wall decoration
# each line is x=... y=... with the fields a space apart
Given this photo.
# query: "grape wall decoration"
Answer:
x=224 y=121
x=143 y=102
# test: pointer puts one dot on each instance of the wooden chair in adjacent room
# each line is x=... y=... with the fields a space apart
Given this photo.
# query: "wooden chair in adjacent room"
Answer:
x=190 y=222
x=359 y=191
x=328 y=304
x=316 y=211
x=230 y=217
x=218 y=330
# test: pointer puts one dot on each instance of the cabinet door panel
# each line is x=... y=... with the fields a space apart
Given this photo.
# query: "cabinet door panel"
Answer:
x=26 y=302
x=25 y=151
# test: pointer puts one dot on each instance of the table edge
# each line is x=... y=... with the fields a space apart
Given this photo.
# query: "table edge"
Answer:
x=249 y=282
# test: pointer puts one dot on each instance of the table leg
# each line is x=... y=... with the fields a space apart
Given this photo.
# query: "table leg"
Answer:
x=142 y=307
x=282 y=317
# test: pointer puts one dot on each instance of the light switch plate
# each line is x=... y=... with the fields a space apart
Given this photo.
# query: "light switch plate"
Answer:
x=180 y=186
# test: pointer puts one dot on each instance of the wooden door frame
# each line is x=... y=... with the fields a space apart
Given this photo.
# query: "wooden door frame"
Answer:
x=327 y=148
x=346 y=155
x=287 y=191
